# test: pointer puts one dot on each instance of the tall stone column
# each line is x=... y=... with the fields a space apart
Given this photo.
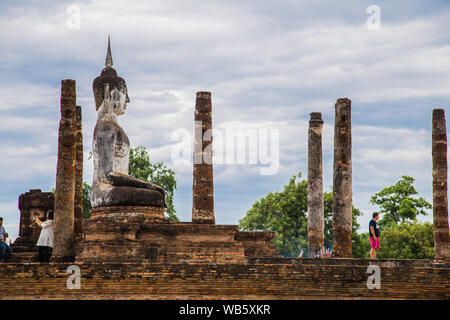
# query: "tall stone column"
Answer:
x=315 y=186
x=440 y=199
x=203 y=185
x=78 y=223
x=65 y=175
x=342 y=180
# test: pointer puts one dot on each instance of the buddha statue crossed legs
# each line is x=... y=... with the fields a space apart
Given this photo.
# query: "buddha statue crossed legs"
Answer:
x=112 y=186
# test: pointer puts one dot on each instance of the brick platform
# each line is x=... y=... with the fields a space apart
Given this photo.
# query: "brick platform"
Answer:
x=141 y=234
x=171 y=243
x=260 y=278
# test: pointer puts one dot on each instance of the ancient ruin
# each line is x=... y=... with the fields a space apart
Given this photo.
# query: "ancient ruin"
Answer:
x=203 y=184
x=342 y=180
x=127 y=221
x=78 y=201
x=315 y=186
x=112 y=186
x=32 y=203
x=127 y=249
x=65 y=174
x=440 y=180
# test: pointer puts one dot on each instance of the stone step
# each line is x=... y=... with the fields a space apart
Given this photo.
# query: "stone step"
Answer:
x=24 y=257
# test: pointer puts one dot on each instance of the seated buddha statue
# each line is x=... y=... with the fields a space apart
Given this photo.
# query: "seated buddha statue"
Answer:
x=112 y=186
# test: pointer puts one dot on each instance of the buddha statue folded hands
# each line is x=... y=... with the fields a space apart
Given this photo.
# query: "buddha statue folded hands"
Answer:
x=112 y=186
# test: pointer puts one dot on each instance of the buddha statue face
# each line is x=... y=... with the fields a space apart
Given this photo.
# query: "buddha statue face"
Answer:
x=118 y=99
x=111 y=94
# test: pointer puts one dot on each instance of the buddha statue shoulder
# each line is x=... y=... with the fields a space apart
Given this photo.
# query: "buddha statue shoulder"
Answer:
x=112 y=186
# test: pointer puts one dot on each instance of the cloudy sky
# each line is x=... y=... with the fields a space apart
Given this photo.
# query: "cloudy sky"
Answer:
x=268 y=65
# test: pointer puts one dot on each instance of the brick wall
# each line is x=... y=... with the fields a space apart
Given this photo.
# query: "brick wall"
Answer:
x=134 y=240
x=265 y=278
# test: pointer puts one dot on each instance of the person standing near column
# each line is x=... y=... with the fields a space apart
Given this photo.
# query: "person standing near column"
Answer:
x=374 y=232
x=45 y=241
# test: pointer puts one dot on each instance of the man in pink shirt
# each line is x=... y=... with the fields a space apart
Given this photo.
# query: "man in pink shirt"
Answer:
x=374 y=233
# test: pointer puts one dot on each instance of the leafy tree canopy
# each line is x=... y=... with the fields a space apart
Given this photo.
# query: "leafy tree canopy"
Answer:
x=399 y=203
x=407 y=241
x=86 y=200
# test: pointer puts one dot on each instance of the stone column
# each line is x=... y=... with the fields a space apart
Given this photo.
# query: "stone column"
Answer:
x=440 y=200
x=203 y=185
x=78 y=223
x=342 y=180
x=315 y=186
x=65 y=175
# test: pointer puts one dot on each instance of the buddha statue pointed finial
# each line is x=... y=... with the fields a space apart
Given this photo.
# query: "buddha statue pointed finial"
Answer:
x=109 y=61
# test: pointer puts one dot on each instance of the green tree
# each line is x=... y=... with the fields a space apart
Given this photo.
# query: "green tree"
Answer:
x=407 y=241
x=360 y=245
x=142 y=167
x=86 y=200
x=399 y=203
x=285 y=213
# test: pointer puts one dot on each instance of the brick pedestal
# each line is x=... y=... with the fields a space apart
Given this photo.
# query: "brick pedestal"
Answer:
x=143 y=235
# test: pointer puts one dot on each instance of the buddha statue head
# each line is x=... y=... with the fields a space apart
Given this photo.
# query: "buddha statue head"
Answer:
x=110 y=90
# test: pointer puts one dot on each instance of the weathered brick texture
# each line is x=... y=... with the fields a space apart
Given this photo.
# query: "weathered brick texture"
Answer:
x=440 y=185
x=78 y=201
x=32 y=203
x=342 y=180
x=202 y=185
x=142 y=234
x=315 y=186
x=263 y=279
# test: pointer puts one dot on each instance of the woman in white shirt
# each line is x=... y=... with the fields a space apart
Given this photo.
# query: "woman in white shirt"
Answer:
x=45 y=241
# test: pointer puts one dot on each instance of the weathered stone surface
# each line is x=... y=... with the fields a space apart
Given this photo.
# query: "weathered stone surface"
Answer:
x=203 y=185
x=440 y=185
x=111 y=184
x=257 y=243
x=150 y=214
x=65 y=175
x=315 y=186
x=142 y=234
x=32 y=203
x=78 y=206
x=260 y=279
x=342 y=180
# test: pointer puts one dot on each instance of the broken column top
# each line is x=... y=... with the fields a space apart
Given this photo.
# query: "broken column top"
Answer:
x=203 y=94
x=439 y=126
x=316 y=118
x=438 y=114
x=203 y=102
x=342 y=100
